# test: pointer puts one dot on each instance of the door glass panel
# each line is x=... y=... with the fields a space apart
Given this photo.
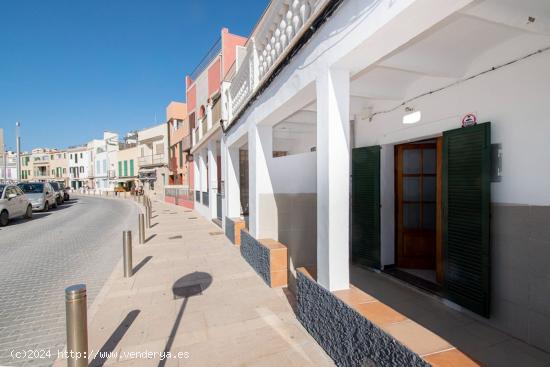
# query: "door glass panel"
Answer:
x=411 y=188
x=428 y=216
x=411 y=216
x=411 y=161
x=428 y=188
x=429 y=161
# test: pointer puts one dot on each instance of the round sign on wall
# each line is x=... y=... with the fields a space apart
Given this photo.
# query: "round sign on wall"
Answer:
x=469 y=120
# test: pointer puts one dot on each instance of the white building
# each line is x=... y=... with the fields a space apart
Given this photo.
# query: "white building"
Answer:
x=396 y=95
x=153 y=158
x=80 y=165
x=104 y=158
x=8 y=166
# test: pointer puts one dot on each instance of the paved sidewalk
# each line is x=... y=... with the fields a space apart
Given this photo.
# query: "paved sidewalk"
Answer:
x=236 y=321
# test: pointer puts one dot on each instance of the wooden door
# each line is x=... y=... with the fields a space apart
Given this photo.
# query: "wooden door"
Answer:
x=416 y=204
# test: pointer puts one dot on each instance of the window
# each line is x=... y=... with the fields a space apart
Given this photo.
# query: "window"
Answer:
x=125 y=168
x=105 y=166
x=51 y=157
x=97 y=167
x=119 y=168
x=81 y=169
x=71 y=156
x=181 y=154
x=159 y=148
x=80 y=155
x=64 y=170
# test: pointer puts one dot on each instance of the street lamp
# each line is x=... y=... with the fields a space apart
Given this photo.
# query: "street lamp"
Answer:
x=18 y=151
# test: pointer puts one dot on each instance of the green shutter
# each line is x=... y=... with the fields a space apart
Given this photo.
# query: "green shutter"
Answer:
x=119 y=168
x=466 y=207
x=365 y=207
x=125 y=168
x=132 y=167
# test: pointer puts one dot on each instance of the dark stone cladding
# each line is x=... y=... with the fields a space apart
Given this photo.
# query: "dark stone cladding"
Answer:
x=256 y=255
x=230 y=229
x=348 y=338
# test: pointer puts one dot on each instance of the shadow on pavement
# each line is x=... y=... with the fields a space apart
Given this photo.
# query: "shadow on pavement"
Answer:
x=103 y=355
x=150 y=238
x=141 y=264
x=187 y=286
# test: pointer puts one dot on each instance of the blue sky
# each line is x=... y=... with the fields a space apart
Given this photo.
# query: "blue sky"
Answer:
x=71 y=69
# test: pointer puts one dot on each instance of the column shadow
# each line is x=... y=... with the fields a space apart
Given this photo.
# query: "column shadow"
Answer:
x=103 y=355
x=185 y=287
x=142 y=264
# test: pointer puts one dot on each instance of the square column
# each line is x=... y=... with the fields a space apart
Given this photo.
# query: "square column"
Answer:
x=213 y=176
x=232 y=189
x=203 y=171
x=333 y=175
x=196 y=174
x=263 y=215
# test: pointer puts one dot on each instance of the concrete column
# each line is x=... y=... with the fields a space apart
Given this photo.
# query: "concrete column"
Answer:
x=196 y=172
x=204 y=173
x=223 y=154
x=232 y=189
x=261 y=201
x=213 y=176
x=333 y=172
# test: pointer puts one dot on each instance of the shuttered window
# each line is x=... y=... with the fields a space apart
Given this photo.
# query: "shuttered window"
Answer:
x=119 y=168
x=365 y=210
x=466 y=206
x=131 y=167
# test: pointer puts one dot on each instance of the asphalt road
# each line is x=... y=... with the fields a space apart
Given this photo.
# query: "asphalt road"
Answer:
x=78 y=243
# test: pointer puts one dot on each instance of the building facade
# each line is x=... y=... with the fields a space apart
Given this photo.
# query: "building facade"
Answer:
x=153 y=170
x=104 y=161
x=79 y=166
x=373 y=140
x=204 y=107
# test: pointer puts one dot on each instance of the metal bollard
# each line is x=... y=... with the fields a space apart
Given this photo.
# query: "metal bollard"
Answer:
x=141 y=225
x=147 y=217
x=127 y=253
x=77 y=325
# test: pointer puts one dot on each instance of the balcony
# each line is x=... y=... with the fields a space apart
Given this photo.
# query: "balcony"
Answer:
x=151 y=160
x=280 y=27
x=186 y=143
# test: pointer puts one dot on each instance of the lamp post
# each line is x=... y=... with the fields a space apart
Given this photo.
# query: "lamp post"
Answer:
x=18 y=151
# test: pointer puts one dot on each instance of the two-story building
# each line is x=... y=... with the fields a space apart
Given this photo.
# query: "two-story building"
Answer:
x=104 y=160
x=128 y=162
x=203 y=90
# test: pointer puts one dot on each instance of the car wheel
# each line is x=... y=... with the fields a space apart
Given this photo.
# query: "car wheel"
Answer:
x=46 y=206
x=28 y=213
x=4 y=218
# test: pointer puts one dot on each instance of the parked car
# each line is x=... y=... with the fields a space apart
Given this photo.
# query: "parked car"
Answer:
x=13 y=204
x=59 y=194
x=41 y=195
x=65 y=189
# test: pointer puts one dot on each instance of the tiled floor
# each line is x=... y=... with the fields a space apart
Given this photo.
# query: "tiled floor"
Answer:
x=480 y=341
x=236 y=321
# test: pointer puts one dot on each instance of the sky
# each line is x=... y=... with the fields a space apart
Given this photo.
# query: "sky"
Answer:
x=71 y=69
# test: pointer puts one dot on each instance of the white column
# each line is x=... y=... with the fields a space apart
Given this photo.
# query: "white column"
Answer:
x=196 y=173
x=204 y=173
x=213 y=179
x=260 y=188
x=333 y=172
x=232 y=189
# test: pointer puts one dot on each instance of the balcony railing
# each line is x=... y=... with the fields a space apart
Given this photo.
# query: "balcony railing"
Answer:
x=275 y=33
x=151 y=159
x=213 y=52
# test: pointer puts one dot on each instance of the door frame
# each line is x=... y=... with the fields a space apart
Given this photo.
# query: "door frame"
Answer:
x=439 y=258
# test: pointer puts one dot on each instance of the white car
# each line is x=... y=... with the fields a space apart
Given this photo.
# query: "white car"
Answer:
x=40 y=194
x=13 y=204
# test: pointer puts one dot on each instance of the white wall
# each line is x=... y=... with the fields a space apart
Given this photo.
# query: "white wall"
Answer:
x=514 y=99
x=294 y=173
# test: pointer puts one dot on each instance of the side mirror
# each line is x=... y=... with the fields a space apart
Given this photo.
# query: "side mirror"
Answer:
x=11 y=196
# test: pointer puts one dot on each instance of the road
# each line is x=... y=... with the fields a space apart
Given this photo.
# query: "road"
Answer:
x=78 y=243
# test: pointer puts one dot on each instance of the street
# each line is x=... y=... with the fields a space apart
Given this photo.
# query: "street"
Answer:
x=80 y=242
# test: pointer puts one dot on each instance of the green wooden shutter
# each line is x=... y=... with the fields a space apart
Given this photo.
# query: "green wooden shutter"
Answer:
x=181 y=154
x=132 y=167
x=365 y=208
x=466 y=206
x=119 y=168
x=125 y=168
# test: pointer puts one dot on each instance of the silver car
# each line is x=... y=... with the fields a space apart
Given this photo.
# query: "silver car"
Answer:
x=41 y=195
x=13 y=204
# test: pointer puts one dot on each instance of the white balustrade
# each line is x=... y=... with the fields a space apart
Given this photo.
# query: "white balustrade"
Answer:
x=275 y=32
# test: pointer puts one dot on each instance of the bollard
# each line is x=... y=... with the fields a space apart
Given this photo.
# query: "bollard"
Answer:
x=147 y=217
x=141 y=225
x=127 y=253
x=77 y=326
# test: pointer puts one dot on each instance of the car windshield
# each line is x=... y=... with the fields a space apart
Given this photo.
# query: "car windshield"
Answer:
x=55 y=186
x=32 y=188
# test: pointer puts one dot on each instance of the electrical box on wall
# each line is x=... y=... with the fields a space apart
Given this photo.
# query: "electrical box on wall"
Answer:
x=496 y=162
